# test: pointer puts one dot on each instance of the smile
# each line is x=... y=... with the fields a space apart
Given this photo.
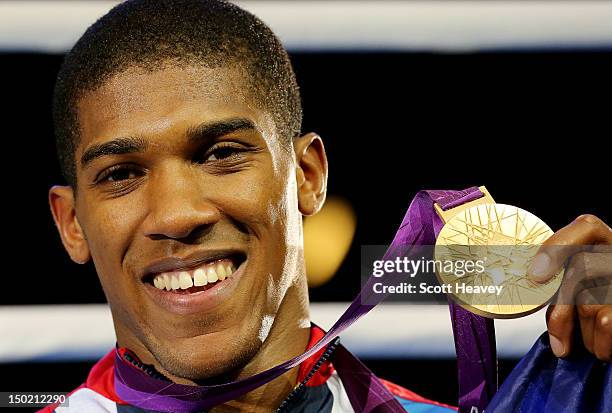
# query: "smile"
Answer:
x=198 y=279
x=194 y=285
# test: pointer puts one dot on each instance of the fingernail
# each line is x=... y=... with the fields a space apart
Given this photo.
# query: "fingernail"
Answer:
x=540 y=265
x=557 y=346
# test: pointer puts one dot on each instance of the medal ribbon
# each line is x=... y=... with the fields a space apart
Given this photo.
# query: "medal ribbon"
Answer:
x=474 y=336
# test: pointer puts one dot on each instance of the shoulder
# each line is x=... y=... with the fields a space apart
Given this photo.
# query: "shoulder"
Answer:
x=84 y=400
x=414 y=403
x=96 y=395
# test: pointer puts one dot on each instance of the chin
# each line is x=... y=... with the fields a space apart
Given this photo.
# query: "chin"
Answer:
x=200 y=362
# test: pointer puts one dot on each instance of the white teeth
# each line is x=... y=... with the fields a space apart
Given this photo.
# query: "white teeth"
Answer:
x=199 y=277
x=221 y=272
x=174 y=282
x=160 y=281
x=185 y=280
x=206 y=274
x=166 y=279
x=211 y=274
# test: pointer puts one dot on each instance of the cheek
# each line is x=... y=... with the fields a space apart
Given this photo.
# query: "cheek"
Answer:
x=266 y=203
x=109 y=229
x=276 y=222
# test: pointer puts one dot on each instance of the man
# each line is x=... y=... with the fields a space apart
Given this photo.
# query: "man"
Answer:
x=178 y=131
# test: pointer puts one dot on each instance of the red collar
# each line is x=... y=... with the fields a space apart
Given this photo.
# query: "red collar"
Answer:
x=326 y=369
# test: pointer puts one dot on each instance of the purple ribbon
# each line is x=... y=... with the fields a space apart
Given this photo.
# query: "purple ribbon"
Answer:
x=474 y=340
x=474 y=335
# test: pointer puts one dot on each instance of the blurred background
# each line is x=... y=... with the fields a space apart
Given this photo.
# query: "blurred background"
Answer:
x=407 y=95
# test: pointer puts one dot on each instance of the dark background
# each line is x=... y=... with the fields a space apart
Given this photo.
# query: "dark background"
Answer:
x=534 y=127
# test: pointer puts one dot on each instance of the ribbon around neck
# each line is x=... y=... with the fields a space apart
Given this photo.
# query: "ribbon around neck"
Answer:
x=474 y=335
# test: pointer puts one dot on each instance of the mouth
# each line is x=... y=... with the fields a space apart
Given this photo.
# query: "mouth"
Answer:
x=196 y=284
x=195 y=275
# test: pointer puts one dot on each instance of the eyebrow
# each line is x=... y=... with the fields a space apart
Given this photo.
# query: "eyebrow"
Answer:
x=204 y=131
x=117 y=146
x=212 y=130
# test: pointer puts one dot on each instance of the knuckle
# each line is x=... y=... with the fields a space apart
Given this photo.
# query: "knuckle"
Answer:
x=604 y=325
x=588 y=218
x=581 y=266
x=587 y=311
x=576 y=269
x=556 y=317
x=594 y=224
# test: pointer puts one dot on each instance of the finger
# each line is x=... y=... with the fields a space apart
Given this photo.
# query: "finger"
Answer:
x=602 y=342
x=590 y=271
x=560 y=323
x=588 y=278
x=583 y=232
x=594 y=264
x=586 y=315
x=602 y=248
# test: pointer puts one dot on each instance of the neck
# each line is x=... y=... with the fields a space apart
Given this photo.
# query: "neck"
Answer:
x=288 y=338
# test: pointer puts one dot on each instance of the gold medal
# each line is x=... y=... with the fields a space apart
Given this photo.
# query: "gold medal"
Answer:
x=494 y=243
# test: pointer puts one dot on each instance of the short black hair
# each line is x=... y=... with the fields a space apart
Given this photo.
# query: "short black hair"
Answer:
x=149 y=33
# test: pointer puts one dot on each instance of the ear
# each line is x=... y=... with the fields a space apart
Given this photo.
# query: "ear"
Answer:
x=311 y=173
x=61 y=201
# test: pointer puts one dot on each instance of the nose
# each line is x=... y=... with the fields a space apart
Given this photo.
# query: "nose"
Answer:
x=179 y=207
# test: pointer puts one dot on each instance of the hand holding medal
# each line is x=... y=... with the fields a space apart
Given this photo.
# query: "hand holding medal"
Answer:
x=528 y=264
x=584 y=248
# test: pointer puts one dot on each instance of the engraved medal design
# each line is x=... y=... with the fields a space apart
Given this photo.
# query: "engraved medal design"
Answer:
x=499 y=241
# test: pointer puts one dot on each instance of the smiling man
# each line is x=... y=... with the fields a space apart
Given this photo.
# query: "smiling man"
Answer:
x=178 y=131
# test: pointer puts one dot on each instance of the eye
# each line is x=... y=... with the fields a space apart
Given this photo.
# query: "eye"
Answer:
x=222 y=152
x=118 y=173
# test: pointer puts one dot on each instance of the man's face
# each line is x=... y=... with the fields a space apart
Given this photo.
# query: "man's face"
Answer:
x=184 y=173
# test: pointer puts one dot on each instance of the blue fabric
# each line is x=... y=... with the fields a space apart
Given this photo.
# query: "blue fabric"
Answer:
x=543 y=383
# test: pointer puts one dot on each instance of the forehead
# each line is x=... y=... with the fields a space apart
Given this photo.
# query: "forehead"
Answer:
x=139 y=102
